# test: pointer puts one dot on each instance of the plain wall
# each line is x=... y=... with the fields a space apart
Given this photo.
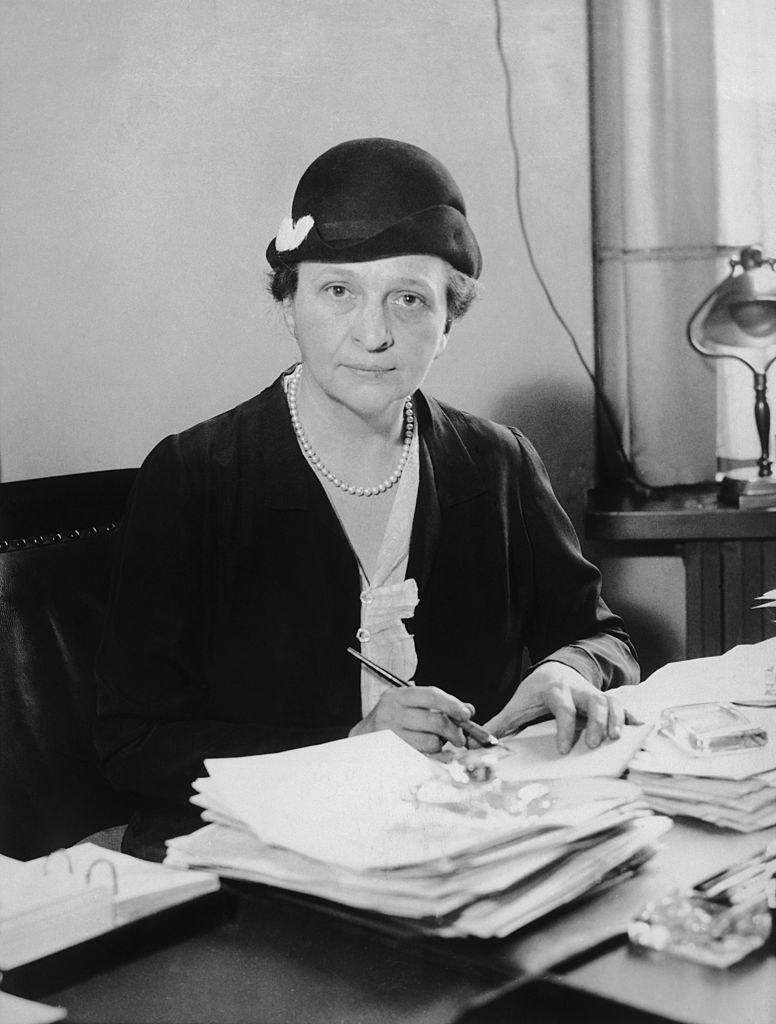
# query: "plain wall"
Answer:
x=151 y=148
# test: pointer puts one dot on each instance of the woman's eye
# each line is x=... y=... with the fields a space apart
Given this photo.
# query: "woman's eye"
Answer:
x=337 y=291
x=409 y=300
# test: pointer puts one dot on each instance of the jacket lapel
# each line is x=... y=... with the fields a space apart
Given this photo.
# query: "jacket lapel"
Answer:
x=289 y=483
x=448 y=477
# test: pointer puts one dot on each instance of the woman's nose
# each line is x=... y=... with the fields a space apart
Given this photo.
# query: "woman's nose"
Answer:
x=371 y=328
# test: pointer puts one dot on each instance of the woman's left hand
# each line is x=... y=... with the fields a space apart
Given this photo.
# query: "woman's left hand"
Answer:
x=560 y=690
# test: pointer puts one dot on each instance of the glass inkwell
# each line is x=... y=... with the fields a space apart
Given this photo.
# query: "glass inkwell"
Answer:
x=718 y=921
x=470 y=785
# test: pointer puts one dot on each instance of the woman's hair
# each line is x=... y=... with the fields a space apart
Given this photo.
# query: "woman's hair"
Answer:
x=462 y=290
x=282 y=281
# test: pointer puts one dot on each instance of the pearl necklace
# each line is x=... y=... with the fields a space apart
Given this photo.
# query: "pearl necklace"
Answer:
x=315 y=462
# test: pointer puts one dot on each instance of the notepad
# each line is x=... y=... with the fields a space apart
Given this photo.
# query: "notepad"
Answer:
x=55 y=902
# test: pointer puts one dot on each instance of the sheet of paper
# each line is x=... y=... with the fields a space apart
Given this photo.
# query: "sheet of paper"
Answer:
x=685 y=682
x=534 y=755
x=752 y=673
x=661 y=754
x=425 y=891
x=505 y=912
x=345 y=800
x=742 y=673
x=239 y=855
x=363 y=804
x=757 y=657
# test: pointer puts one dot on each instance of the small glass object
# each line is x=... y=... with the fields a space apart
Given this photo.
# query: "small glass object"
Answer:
x=471 y=786
x=712 y=727
x=707 y=931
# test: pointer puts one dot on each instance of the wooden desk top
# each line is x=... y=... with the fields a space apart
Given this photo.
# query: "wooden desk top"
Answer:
x=677 y=990
x=674 y=513
x=674 y=989
x=280 y=958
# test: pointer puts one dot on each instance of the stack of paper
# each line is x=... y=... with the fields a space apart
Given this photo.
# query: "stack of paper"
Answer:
x=735 y=789
x=745 y=675
x=745 y=805
x=72 y=895
x=371 y=823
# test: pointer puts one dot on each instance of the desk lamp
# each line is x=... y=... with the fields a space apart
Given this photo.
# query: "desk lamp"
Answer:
x=737 y=320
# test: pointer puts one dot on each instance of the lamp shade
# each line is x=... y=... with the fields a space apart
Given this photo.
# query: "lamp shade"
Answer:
x=743 y=311
x=737 y=320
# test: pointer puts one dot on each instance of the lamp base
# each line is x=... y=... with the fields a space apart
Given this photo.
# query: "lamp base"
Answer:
x=741 y=490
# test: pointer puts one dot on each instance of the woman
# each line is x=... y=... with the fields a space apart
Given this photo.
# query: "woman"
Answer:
x=340 y=507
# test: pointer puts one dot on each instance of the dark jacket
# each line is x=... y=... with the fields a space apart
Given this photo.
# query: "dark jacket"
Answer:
x=236 y=593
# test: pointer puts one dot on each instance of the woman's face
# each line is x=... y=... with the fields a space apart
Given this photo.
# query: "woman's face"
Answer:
x=369 y=332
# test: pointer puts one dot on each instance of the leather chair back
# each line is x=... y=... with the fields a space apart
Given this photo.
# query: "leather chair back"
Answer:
x=53 y=596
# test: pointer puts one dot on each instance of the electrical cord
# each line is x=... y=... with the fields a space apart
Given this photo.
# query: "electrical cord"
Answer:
x=630 y=472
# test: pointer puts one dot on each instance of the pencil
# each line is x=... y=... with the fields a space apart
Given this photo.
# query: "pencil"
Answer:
x=476 y=732
x=735 y=874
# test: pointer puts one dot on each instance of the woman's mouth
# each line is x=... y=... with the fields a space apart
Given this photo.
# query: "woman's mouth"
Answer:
x=369 y=371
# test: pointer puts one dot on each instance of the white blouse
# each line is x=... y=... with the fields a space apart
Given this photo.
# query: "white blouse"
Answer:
x=389 y=597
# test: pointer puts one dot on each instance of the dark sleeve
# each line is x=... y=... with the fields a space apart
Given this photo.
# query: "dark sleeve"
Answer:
x=569 y=621
x=154 y=725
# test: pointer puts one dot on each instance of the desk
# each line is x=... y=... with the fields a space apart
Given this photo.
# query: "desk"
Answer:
x=669 y=988
x=278 y=958
x=729 y=555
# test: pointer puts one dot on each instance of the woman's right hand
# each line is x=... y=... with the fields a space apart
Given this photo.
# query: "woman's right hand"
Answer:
x=425 y=716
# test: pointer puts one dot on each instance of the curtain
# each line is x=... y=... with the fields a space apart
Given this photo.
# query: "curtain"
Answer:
x=679 y=112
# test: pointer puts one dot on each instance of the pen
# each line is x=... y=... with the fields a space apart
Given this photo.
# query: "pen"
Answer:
x=736 y=873
x=752 y=875
x=477 y=733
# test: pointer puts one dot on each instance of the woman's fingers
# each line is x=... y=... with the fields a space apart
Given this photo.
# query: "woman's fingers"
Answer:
x=434 y=699
x=596 y=711
x=425 y=742
x=514 y=716
x=602 y=719
x=433 y=722
x=574 y=702
x=561 y=704
x=616 y=719
x=424 y=716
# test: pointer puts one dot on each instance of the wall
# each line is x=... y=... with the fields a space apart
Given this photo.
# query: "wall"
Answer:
x=682 y=93
x=151 y=148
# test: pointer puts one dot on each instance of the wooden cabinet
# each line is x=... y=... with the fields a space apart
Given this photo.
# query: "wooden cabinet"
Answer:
x=729 y=556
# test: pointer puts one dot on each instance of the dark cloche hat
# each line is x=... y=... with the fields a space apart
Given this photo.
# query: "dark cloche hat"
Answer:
x=368 y=199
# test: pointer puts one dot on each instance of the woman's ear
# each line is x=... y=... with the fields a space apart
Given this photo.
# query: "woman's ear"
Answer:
x=288 y=315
